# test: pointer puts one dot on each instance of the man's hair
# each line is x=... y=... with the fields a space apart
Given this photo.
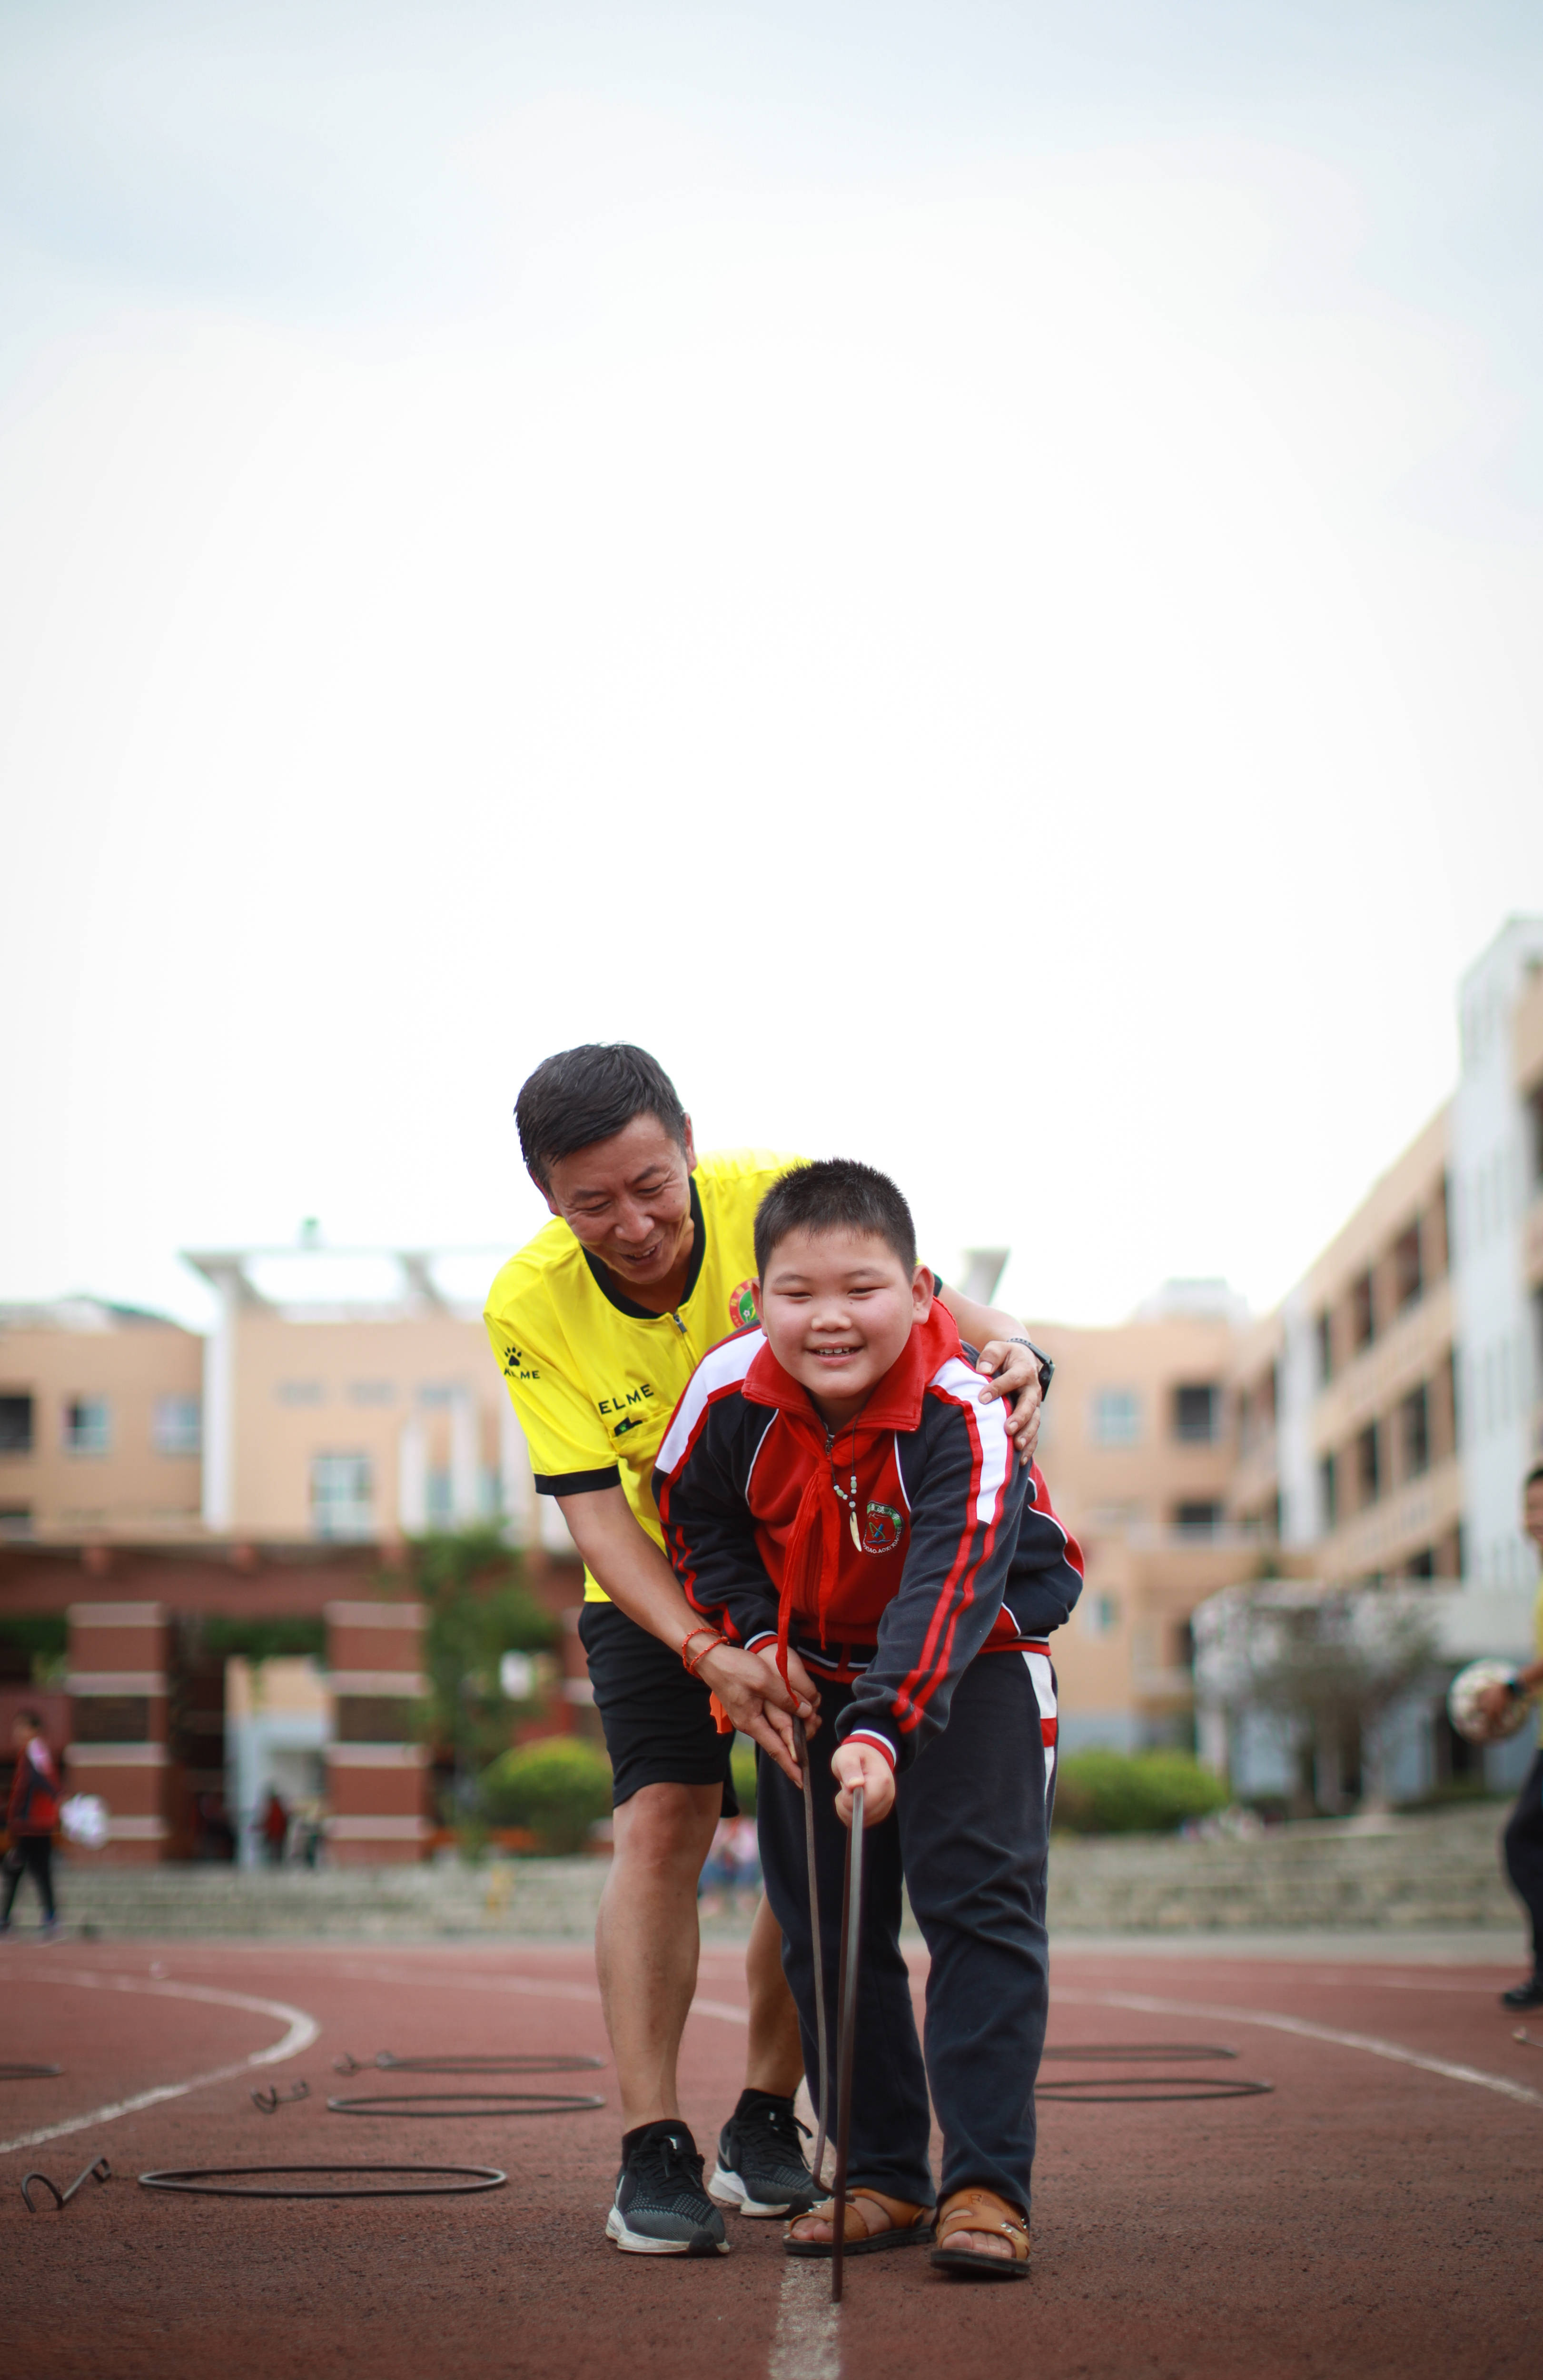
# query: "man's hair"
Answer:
x=583 y=1095
x=837 y=1195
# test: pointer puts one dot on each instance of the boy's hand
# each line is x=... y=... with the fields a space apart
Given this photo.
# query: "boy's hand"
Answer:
x=864 y=1765
x=1013 y=1370
x=802 y=1684
x=758 y=1702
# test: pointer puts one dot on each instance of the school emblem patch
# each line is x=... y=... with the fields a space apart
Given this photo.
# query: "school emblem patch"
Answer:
x=882 y=1529
x=742 y=1307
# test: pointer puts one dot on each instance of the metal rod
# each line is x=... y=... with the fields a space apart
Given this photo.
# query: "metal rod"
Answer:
x=846 y=2013
x=822 y=2109
x=99 y=2170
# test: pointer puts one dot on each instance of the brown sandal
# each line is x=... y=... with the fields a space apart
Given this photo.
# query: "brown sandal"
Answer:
x=911 y=2226
x=980 y=2210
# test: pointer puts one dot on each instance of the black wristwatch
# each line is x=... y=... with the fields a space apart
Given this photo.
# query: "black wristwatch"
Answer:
x=1515 y=1689
x=1047 y=1365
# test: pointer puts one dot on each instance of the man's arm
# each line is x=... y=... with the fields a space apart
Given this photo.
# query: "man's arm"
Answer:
x=1007 y=1361
x=1495 y=1701
x=639 y=1580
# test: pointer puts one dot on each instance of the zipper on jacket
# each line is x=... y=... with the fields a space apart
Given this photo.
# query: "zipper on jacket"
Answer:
x=679 y=1323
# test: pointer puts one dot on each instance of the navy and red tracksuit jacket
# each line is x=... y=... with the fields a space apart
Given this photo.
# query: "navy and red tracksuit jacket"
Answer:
x=889 y=1553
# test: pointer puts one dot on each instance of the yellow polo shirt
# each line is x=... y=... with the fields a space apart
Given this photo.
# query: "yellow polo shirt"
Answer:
x=593 y=1376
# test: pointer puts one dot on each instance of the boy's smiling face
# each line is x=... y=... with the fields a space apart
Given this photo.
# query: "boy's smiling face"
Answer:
x=837 y=1308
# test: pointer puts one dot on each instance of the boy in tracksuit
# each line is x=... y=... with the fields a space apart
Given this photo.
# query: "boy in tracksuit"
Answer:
x=836 y=1496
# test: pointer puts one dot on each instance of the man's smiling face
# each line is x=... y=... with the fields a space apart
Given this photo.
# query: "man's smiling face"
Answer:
x=837 y=1308
x=628 y=1201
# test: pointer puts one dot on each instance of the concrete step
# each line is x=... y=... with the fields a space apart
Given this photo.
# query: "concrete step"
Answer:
x=1433 y=1870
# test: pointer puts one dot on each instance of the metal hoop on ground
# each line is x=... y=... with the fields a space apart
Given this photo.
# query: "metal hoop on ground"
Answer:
x=13 y=2073
x=99 y=2170
x=221 y=2180
x=385 y=2063
x=1156 y=2050
x=268 y=2101
x=467 y=2103
x=1147 y=2090
x=847 y=2016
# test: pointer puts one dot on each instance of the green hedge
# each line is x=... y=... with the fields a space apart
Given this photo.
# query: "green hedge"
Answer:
x=742 y=1761
x=557 y=1787
x=1133 y=1793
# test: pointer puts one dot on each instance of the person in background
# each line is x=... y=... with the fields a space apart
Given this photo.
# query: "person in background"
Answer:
x=30 y=1818
x=273 y=1826
x=1523 y=1840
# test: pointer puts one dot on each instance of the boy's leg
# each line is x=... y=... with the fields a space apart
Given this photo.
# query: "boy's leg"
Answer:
x=972 y=1820
x=890 y=2120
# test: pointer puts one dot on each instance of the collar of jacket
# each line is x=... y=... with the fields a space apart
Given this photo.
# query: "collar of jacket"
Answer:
x=895 y=1402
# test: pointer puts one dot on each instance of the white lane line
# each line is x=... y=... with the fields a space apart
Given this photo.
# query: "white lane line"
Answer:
x=302 y=2030
x=1370 y=2042
x=805 y=2344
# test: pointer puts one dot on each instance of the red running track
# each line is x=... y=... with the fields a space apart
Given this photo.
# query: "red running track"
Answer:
x=1380 y=2213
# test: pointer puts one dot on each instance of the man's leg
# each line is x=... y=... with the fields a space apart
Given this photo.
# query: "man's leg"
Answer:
x=1523 y=1864
x=646 y=1939
x=774 y=2061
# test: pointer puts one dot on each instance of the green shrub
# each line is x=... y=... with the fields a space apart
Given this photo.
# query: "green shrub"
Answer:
x=1133 y=1793
x=557 y=1787
x=742 y=1763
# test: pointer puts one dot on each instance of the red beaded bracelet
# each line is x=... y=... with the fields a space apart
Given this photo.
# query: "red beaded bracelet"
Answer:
x=691 y=1665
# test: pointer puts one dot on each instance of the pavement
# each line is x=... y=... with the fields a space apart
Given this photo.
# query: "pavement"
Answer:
x=1377 y=2212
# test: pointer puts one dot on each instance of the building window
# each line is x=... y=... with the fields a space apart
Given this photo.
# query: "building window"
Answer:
x=1197 y=1414
x=1116 y=1417
x=300 y=1393
x=1099 y=1614
x=1323 y=1334
x=371 y=1392
x=88 y=1425
x=16 y=1520
x=1415 y=1431
x=178 y=1426
x=1363 y=1312
x=342 y=1495
x=1328 y=1490
x=16 y=1425
x=1421 y=1565
x=1198 y=1519
x=1368 y=1463
x=1408 y=1267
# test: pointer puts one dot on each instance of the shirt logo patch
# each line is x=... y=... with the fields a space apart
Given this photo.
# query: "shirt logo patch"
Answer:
x=882 y=1529
x=742 y=1307
x=634 y=1421
x=517 y=1368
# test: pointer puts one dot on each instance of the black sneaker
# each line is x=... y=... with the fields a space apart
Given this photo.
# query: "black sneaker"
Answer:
x=1525 y=1995
x=761 y=2166
x=661 y=2208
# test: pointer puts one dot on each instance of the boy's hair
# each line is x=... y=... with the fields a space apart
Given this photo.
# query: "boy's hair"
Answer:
x=580 y=1095
x=836 y=1195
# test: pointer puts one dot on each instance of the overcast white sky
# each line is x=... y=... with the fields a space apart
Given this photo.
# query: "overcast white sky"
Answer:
x=969 y=574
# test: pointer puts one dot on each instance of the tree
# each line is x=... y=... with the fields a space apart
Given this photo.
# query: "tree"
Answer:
x=477 y=1607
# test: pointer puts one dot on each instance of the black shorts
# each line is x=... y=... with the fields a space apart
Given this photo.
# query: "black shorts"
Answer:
x=658 y=1721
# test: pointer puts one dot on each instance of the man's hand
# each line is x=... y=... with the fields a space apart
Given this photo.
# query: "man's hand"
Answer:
x=758 y=1702
x=864 y=1765
x=1495 y=1701
x=1013 y=1370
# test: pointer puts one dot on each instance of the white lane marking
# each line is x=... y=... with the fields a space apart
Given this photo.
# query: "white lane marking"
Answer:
x=1370 y=2042
x=302 y=2030
x=805 y=2344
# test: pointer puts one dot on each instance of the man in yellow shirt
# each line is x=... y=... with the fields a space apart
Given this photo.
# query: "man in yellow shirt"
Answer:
x=597 y=1326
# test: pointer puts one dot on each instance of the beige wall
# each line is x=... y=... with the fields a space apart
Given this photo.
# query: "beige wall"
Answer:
x=1123 y=1662
x=131 y=1489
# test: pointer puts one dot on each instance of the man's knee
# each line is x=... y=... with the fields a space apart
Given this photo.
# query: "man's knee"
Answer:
x=667 y=1827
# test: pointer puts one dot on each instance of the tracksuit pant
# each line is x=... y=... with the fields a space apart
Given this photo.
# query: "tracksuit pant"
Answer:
x=29 y=1854
x=969 y=1835
x=1524 y=1853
